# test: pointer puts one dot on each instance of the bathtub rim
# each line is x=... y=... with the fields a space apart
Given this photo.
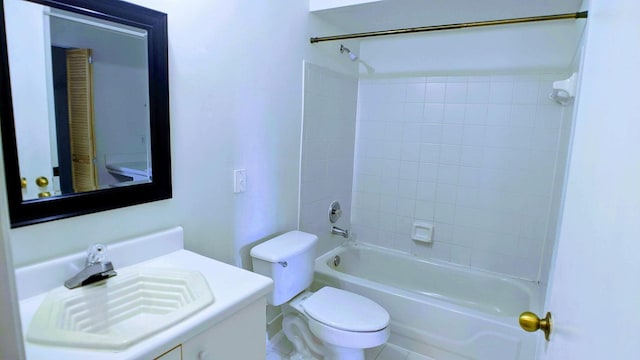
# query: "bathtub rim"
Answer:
x=534 y=289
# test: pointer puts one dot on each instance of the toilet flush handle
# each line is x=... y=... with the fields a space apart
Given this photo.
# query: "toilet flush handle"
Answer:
x=283 y=263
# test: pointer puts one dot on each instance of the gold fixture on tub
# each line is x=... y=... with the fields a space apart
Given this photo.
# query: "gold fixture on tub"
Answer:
x=531 y=322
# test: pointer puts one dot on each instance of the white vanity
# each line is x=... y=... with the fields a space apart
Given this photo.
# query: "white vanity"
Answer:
x=224 y=321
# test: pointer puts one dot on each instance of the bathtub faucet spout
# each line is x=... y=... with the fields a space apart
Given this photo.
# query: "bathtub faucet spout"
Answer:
x=337 y=231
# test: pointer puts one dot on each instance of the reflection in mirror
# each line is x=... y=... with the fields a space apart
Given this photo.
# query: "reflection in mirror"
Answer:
x=85 y=121
x=93 y=99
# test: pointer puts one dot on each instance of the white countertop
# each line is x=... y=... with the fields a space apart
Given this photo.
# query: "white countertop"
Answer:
x=233 y=288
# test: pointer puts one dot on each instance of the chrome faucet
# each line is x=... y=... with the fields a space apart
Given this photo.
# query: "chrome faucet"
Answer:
x=337 y=231
x=96 y=268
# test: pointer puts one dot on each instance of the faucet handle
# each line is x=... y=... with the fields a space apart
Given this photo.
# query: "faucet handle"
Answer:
x=96 y=253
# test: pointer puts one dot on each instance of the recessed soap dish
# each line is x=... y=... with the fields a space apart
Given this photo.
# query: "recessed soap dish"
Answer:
x=422 y=232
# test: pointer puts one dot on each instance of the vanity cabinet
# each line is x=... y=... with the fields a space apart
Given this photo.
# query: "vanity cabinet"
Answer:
x=240 y=336
x=233 y=326
x=173 y=354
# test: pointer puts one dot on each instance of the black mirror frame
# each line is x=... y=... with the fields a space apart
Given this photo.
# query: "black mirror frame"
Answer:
x=35 y=211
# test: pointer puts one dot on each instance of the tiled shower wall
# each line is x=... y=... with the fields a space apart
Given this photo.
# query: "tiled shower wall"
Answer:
x=328 y=140
x=477 y=156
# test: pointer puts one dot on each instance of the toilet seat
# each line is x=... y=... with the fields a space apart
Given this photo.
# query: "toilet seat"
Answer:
x=346 y=311
x=349 y=339
x=346 y=319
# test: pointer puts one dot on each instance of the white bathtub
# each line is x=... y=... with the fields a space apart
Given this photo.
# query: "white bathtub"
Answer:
x=440 y=310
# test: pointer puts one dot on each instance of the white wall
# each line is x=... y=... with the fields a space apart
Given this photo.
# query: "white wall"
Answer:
x=493 y=49
x=11 y=346
x=236 y=102
x=328 y=141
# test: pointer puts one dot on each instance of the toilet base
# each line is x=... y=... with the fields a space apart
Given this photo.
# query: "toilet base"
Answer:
x=342 y=353
x=308 y=347
x=295 y=326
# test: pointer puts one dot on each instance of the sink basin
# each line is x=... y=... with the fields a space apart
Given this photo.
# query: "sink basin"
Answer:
x=119 y=312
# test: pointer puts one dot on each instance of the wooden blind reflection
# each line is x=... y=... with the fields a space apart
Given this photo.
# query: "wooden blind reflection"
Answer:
x=81 y=122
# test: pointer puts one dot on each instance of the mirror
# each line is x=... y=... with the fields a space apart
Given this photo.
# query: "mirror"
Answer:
x=84 y=107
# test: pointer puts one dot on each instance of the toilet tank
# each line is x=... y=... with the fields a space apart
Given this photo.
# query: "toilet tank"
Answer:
x=287 y=259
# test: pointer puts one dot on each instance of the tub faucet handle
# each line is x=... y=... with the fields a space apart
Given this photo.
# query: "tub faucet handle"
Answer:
x=334 y=212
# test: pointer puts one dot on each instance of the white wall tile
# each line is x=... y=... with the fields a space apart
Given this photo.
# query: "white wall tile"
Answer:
x=368 y=166
x=523 y=115
x=387 y=222
x=470 y=176
x=392 y=92
x=436 y=250
x=407 y=188
x=525 y=92
x=433 y=113
x=448 y=174
x=501 y=92
x=431 y=133
x=415 y=92
x=388 y=204
x=435 y=93
x=443 y=232
x=476 y=155
x=426 y=191
x=410 y=151
x=391 y=150
x=476 y=114
x=454 y=113
x=425 y=210
x=404 y=225
x=474 y=135
x=450 y=154
x=389 y=185
x=390 y=168
x=478 y=92
x=429 y=153
x=413 y=112
x=406 y=207
x=445 y=213
x=499 y=115
x=412 y=132
x=456 y=93
x=446 y=193
x=452 y=134
x=428 y=172
x=549 y=116
x=461 y=255
x=436 y=79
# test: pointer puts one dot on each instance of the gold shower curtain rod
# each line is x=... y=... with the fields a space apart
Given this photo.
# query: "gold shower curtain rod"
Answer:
x=569 y=16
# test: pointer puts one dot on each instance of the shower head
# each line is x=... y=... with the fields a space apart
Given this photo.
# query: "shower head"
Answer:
x=352 y=56
x=561 y=97
x=564 y=91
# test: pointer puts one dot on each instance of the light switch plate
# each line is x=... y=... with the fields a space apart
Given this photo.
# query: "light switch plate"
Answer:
x=239 y=181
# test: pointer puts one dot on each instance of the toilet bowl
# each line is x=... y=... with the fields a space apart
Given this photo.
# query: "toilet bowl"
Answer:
x=343 y=321
x=329 y=323
x=130 y=171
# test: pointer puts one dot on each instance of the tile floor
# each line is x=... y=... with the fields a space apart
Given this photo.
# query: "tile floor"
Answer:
x=280 y=349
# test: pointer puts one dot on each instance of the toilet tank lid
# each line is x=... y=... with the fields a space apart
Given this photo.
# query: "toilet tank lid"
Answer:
x=284 y=246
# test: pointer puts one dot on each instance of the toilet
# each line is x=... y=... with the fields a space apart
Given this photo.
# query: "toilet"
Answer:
x=130 y=171
x=329 y=323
